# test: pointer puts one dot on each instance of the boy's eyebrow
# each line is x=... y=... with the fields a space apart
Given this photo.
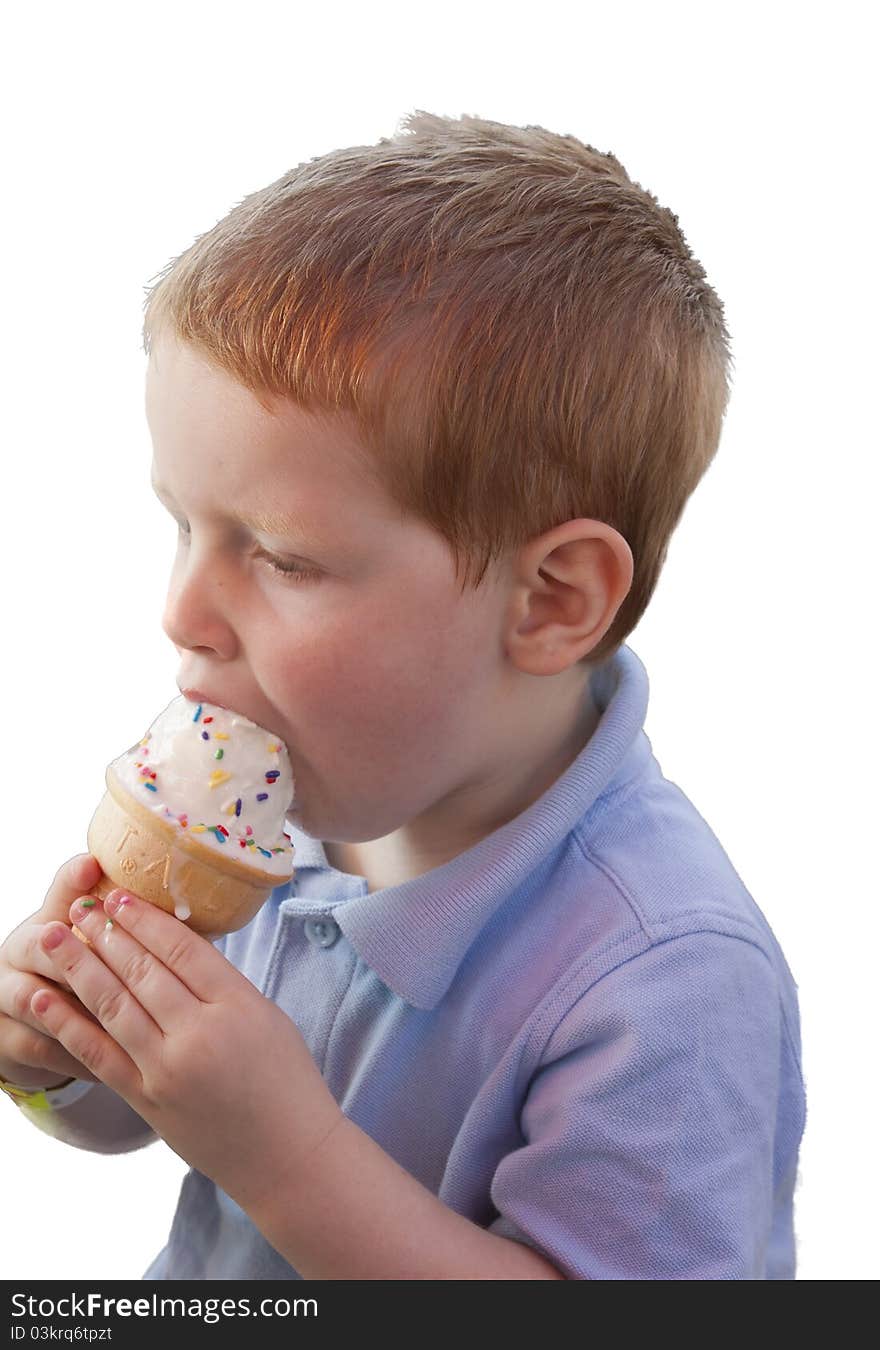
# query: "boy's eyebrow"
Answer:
x=262 y=523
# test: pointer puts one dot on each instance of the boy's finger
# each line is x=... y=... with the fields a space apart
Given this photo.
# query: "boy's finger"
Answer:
x=73 y=879
x=24 y=952
x=17 y=988
x=78 y=873
x=43 y=1054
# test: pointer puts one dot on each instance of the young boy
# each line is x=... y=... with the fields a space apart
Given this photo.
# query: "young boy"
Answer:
x=427 y=414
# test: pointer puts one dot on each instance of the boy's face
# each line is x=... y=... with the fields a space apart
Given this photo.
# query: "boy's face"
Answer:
x=378 y=673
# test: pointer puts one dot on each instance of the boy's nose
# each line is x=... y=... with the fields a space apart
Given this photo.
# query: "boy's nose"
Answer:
x=194 y=617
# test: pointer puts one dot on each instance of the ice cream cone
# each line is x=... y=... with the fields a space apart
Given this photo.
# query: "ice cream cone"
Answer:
x=158 y=861
x=193 y=816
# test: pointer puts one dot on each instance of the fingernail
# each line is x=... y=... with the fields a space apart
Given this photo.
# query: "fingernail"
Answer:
x=53 y=938
x=115 y=900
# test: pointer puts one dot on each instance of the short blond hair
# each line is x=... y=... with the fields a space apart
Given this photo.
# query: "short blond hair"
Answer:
x=519 y=330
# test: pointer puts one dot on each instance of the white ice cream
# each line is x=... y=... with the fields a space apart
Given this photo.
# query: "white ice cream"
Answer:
x=219 y=777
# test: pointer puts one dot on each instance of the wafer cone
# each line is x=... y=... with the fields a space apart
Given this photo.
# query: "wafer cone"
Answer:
x=169 y=867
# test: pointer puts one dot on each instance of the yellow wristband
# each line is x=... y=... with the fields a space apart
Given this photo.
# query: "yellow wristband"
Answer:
x=46 y=1099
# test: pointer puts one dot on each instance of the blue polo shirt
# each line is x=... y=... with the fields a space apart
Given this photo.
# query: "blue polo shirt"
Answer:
x=581 y=1033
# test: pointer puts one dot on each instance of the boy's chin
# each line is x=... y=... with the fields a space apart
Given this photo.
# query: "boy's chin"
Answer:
x=294 y=819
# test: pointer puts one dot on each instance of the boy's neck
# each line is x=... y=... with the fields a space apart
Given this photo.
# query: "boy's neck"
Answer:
x=523 y=767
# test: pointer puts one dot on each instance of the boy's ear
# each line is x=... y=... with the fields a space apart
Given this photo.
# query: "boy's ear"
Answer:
x=567 y=585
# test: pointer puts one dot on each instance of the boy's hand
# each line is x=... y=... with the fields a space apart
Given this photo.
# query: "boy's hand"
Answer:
x=219 y=1071
x=29 y=1055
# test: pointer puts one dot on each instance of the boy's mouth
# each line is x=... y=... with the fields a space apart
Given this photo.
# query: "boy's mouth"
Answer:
x=197 y=696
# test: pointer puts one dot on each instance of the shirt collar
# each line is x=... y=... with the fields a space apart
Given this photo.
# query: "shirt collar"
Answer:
x=415 y=935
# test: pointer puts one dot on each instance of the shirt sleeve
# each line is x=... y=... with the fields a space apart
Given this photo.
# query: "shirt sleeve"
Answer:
x=649 y=1124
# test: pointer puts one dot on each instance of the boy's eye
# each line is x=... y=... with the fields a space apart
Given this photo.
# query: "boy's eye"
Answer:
x=288 y=569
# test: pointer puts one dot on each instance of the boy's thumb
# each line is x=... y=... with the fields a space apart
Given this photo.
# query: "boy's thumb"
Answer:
x=74 y=878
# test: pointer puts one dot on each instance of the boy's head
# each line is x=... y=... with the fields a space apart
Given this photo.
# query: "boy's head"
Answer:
x=479 y=372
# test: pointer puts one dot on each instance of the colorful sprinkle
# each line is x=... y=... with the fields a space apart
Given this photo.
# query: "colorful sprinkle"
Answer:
x=87 y=904
x=242 y=834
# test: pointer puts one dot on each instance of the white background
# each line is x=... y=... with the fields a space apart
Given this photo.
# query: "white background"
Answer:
x=130 y=130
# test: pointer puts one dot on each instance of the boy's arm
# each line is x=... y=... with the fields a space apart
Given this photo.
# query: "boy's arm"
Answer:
x=658 y=1099
x=100 y=1121
x=352 y=1213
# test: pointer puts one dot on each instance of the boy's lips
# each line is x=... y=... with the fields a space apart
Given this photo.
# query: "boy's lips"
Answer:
x=198 y=696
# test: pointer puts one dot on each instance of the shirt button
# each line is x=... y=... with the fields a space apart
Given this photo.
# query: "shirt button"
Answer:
x=322 y=932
